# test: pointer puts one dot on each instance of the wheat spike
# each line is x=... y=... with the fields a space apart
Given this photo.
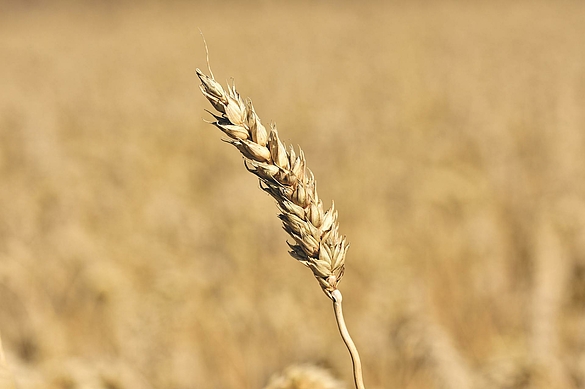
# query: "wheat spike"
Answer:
x=304 y=377
x=284 y=175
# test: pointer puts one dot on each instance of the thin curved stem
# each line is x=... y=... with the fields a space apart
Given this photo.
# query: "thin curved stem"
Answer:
x=353 y=352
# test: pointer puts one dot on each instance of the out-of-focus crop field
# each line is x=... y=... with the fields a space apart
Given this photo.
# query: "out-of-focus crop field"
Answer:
x=137 y=252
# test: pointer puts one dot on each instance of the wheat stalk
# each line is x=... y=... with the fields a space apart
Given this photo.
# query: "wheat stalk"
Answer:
x=6 y=378
x=283 y=174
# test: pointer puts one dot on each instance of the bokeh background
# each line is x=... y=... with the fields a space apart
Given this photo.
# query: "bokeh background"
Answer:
x=137 y=252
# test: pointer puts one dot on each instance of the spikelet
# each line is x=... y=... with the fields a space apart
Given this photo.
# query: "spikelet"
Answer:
x=284 y=175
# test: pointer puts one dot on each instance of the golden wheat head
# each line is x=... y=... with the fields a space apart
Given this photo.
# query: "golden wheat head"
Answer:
x=284 y=175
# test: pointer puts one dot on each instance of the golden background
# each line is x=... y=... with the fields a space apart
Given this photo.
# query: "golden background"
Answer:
x=137 y=252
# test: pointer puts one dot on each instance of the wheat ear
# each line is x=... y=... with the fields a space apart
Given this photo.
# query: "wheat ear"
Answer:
x=284 y=175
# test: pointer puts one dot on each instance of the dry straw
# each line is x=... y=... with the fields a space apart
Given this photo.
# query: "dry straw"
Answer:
x=284 y=175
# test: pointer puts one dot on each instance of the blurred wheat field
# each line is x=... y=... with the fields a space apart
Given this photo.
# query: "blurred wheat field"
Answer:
x=136 y=252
